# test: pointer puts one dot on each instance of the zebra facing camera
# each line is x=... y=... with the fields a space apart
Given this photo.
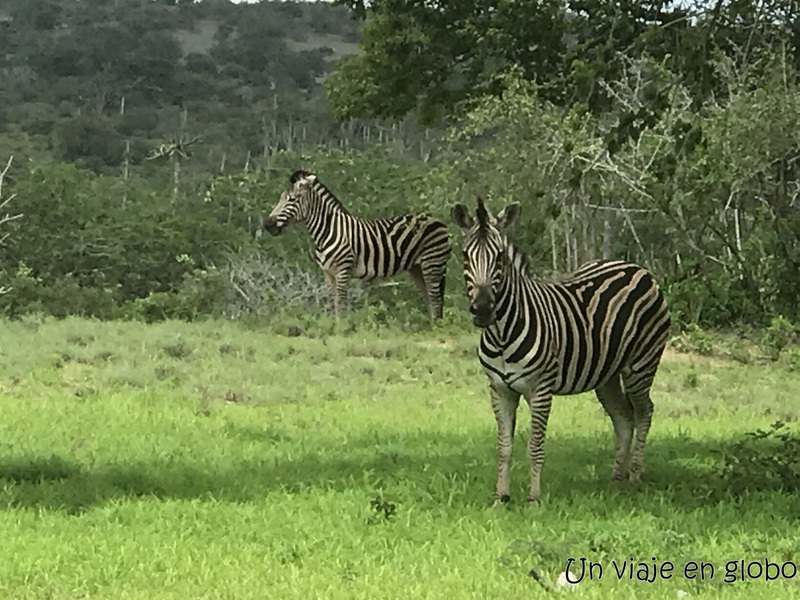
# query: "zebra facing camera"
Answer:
x=482 y=315
x=482 y=309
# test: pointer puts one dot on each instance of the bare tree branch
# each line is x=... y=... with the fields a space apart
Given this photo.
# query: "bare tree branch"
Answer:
x=6 y=217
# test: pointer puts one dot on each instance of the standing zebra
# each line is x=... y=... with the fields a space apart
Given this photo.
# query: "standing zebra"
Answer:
x=347 y=246
x=604 y=328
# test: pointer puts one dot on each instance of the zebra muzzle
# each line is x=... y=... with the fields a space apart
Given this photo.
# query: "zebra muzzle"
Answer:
x=273 y=226
x=482 y=311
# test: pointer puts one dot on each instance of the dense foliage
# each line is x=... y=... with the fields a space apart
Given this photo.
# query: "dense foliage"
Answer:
x=148 y=145
x=107 y=85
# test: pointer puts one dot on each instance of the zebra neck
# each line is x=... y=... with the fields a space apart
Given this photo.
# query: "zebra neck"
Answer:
x=323 y=217
x=514 y=288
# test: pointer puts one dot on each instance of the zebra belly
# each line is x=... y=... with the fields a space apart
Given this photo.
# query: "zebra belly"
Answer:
x=364 y=269
x=503 y=374
x=525 y=377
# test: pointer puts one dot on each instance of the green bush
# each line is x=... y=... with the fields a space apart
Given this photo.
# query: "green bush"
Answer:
x=202 y=293
x=763 y=460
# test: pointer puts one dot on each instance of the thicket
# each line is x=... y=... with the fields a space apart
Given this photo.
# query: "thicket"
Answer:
x=692 y=176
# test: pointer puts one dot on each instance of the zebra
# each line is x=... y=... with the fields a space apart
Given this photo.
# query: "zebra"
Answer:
x=347 y=246
x=603 y=328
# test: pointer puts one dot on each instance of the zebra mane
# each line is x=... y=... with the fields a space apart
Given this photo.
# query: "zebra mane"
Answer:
x=298 y=175
x=319 y=188
x=483 y=217
x=519 y=258
x=484 y=220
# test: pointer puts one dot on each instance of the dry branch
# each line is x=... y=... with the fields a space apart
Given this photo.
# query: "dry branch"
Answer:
x=6 y=217
x=260 y=285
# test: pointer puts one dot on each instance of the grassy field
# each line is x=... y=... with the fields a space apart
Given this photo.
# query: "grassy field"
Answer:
x=218 y=461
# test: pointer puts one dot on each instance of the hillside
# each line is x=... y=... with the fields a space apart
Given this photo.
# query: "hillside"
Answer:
x=100 y=89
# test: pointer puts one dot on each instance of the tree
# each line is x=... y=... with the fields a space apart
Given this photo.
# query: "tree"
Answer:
x=6 y=217
x=430 y=57
x=91 y=141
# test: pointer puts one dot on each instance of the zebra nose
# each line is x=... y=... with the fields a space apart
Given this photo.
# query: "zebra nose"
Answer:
x=272 y=225
x=481 y=305
x=482 y=312
x=477 y=308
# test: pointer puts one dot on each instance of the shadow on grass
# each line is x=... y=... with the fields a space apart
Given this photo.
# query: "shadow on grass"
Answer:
x=427 y=470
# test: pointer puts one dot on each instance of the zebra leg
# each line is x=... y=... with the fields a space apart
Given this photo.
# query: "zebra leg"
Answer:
x=419 y=281
x=504 y=404
x=620 y=410
x=539 y=403
x=341 y=281
x=637 y=388
x=643 y=416
x=434 y=278
x=330 y=280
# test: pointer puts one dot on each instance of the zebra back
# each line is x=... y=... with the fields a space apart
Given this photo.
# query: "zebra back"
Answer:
x=379 y=247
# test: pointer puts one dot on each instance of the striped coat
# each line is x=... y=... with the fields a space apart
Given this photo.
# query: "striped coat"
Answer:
x=347 y=246
x=604 y=328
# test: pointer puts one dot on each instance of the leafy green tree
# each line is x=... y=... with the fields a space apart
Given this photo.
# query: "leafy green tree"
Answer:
x=429 y=57
x=41 y=16
x=90 y=141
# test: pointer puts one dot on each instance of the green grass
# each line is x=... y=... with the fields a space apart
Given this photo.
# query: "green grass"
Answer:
x=217 y=461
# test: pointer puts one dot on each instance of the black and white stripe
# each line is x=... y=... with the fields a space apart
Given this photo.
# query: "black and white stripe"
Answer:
x=348 y=246
x=604 y=328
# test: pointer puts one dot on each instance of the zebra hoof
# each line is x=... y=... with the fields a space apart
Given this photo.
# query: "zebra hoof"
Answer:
x=534 y=501
x=502 y=500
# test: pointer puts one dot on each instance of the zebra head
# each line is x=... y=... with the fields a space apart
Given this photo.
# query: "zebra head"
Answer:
x=483 y=251
x=292 y=204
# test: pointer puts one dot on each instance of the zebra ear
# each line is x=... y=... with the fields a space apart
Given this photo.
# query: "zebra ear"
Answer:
x=461 y=216
x=507 y=218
